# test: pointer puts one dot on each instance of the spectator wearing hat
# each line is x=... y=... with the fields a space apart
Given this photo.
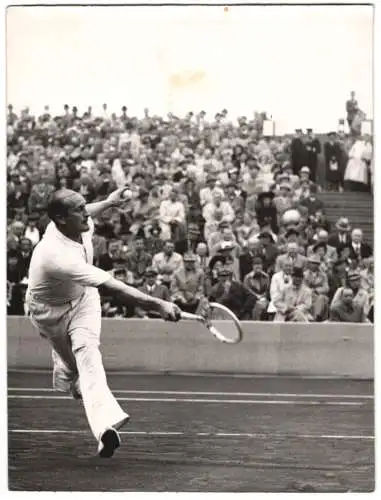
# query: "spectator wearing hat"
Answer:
x=206 y=193
x=137 y=260
x=317 y=281
x=188 y=286
x=266 y=211
x=215 y=212
x=258 y=282
x=232 y=294
x=31 y=231
x=229 y=251
x=294 y=303
x=298 y=152
x=321 y=241
x=361 y=296
x=167 y=262
x=291 y=235
x=152 y=287
x=267 y=250
x=346 y=309
x=172 y=217
x=292 y=255
x=283 y=198
x=342 y=235
x=313 y=148
x=334 y=160
x=312 y=203
x=358 y=248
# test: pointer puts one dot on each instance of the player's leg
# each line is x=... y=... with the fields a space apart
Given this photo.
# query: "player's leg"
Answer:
x=102 y=409
x=51 y=322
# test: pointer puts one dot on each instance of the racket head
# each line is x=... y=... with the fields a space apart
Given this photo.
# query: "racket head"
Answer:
x=223 y=324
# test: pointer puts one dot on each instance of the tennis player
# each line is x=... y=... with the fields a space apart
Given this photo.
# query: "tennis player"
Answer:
x=65 y=307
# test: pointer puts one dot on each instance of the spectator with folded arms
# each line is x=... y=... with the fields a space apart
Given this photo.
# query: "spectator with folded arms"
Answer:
x=258 y=282
x=360 y=295
x=167 y=262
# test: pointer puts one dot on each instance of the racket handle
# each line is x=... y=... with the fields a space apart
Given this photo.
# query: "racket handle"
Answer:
x=191 y=317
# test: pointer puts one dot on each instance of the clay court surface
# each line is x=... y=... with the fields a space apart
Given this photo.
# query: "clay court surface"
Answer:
x=197 y=434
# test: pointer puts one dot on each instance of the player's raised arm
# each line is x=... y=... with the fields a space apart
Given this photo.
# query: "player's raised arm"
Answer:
x=114 y=199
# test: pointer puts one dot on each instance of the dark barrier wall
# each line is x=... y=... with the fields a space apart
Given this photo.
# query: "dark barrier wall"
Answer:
x=323 y=349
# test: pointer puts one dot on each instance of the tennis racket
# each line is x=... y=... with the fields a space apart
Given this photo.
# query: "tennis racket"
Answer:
x=221 y=322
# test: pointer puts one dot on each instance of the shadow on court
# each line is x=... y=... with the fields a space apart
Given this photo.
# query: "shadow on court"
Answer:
x=271 y=435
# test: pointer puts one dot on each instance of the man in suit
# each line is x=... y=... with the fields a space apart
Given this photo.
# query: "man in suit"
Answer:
x=358 y=249
x=341 y=237
x=258 y=282
x=188 y=286
x=334 y=168
x=298 y=152
x=294 y=303
x=313 y=149
x=267 y=250
x=233 y=295
x=293 y=255
x=151 y=287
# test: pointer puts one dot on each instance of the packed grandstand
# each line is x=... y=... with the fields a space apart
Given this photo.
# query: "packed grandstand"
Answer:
x=219 y=210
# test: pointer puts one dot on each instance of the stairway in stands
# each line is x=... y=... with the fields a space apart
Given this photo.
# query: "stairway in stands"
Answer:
x=358 y=207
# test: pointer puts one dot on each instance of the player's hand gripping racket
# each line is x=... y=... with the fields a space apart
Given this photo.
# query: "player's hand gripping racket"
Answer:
x=221 y=322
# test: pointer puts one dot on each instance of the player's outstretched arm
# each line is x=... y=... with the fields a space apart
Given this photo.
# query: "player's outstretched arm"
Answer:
x=136 y=298
x=114 y=199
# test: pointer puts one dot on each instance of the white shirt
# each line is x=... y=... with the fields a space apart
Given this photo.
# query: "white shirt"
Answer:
x=32 y=235
x=60 y=268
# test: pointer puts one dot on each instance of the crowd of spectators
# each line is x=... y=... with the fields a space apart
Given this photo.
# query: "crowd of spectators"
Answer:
x=218 y=212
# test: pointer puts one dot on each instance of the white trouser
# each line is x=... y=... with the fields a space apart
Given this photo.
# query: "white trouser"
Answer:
x=73 y=331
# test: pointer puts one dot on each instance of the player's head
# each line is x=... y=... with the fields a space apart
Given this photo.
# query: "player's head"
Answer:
x=67 y=209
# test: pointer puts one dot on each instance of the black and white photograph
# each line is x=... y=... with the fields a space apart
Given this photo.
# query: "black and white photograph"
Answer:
x=190 y=248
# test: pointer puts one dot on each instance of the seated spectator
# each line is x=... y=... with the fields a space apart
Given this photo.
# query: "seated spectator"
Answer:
x=291 y=235
x=39 y=194
x=317 y=281
x=358 y=248
x=31 y=232
x=338 y=277
x=16 y=231
x=187 y=286
x=330 y=252
x=232 y=294
x=342 y=235
x=283 y=198
x=151 y=286
x=106 y=261
x=202 y=256
x=346 y=309
x=137 y=260
x=154 y=243
x=206 y=193
x=172 y=217
x=266 y=211
x=279 y=281
x=267 y=250
x=167 y=262
x=215 y=212
x=312 y=203
x=246 y=230
x=294 y=302
x=112 y=305
x=361 y=296
x=293 y=255
x=225 y=235
x=26 y=249
x=258 y=282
